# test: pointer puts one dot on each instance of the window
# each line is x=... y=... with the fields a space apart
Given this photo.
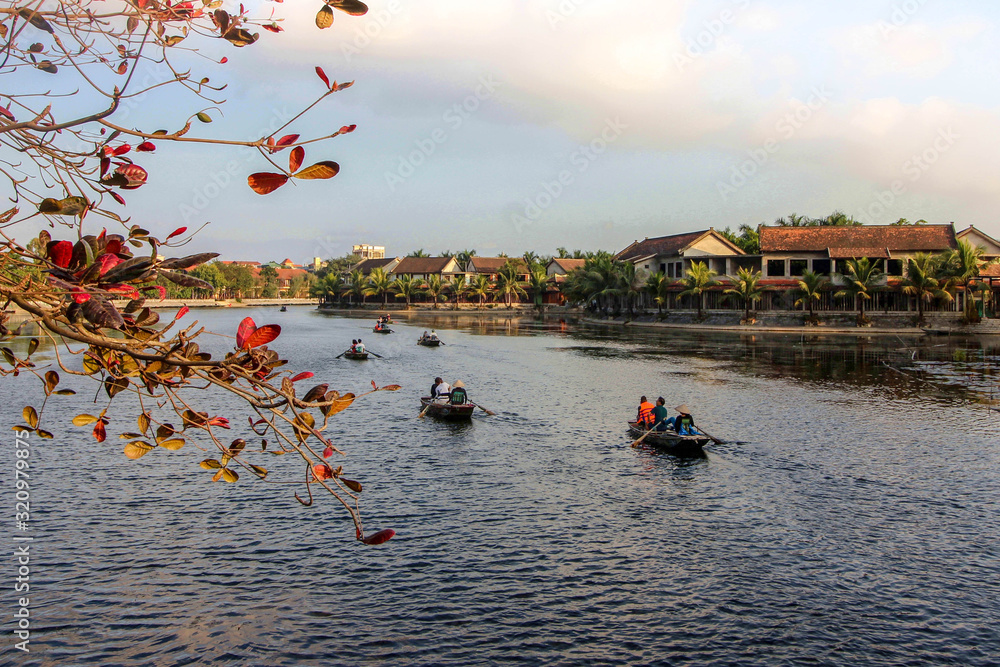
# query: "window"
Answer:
x=775 y=267
x=679 y=271
x=798 y=266
x=822 y=266
x=663 y=268
x=895 y=267
x=670 y=270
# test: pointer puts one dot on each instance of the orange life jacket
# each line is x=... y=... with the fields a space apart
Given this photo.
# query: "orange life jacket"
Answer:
x=646 y=412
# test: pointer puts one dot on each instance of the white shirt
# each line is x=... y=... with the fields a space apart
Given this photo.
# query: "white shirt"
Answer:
x=360 y=347
x=442 y=389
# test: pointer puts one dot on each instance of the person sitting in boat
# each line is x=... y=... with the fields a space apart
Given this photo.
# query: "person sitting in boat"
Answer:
x=423 y=336
x=354 y=345
x=442 y=390
x=433 y=335
x=684 y=422
x=661 y=422
x=644 y=417
x=458 y=394
x=359 y=347
x=379 y=326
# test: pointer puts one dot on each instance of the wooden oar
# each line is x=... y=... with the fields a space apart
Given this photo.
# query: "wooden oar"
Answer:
x=377 y=355
x=489 y=412
x=341 y=354
x=423 y=412
x=710 y=436
x=643 y=437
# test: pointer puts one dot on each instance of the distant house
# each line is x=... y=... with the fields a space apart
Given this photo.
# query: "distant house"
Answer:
x=559 y=266
x=978 y=238
x=673 y=255
x=787 y=252
x=285 y=278
x=422 y=268
x=366 y=266
x=365 y=251
x=490 y=266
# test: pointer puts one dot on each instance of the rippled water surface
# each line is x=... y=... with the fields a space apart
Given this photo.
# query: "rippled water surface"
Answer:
x=853 y=519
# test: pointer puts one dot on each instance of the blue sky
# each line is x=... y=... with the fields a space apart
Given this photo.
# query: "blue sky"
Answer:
x=531 y=124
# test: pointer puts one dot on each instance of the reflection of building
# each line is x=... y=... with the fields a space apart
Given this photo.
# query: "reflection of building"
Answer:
x=369 y=251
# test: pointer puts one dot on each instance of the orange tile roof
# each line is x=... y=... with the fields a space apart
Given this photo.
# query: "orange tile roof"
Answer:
x=853 y=241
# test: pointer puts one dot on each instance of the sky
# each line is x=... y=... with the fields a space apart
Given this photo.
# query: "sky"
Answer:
x=513 y=125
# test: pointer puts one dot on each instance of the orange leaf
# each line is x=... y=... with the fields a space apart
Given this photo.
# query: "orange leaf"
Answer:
x=322 y=471
x=265 y=182
x=320 y=170
x=286 y=140
x=296 y=158
x=263 y=336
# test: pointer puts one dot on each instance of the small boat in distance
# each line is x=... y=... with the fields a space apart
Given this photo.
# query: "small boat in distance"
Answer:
x=429 y=340
x=284 y=309
x=382 y=330
x=670 y=442
x=447 y=411
x=357 y=356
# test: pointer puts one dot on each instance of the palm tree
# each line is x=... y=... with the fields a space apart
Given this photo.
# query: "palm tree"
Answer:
x=530 y=259
x=624 y=273
x=921 y=281
x=407 y=287
x=698 y=280
x=463 y=259
x=457 y=287
x=962 y=265
x=434 y=288
x=811 y=288
x=538 y=282
x=356 y=286
x=656 y=287
x=861 y=279
x=480 y=287
x=379 y=283
x=746 y=286
x=329 y=288
x=562 y=253
x=509 y=283
x=419 y=253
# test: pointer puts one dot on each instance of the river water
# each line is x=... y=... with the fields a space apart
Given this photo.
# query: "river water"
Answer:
x=852 y=519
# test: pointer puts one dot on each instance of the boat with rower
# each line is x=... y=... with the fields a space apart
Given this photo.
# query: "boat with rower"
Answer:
x=356 y=356
x=446 y=411
x=428 y=341
x=670 y=442
x=382 y=330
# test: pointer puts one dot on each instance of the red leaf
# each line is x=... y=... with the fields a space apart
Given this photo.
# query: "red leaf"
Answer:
x=134 y=174
x=224 y=60
x=179 y=230
x=114 y=246
x=100 y=435
x=7 y=114
x=302 y=376
x=285 y=141
x=328 y=452
x=108 y=262
x=319 y=72
x=296 y=158
x=146 y=147
x=265 y=182
x=263 y=335
x=181 y=313
x=61 y=252
x=117 y=197
x=347 y=129
x=160 y=289
x=105 y=165
x=121 y=150
x=322 y=471
x=273 y=27
x=374 y=386
x=80 y=296
x=247 y=327
x=379 y=537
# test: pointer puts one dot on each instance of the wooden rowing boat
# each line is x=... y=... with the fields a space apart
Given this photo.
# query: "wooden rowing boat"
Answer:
x=382 y=330
x=670 y=442
x=428 y=342
x=357 y=356
x=447 y=411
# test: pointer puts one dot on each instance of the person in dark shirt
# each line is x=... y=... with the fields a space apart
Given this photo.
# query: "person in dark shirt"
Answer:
x=660 y=419
x=458 y=394
x=434 y=386
x=684 y=422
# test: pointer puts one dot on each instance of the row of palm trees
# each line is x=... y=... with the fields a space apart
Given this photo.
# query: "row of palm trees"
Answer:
x=508 y=286
x=606 y=284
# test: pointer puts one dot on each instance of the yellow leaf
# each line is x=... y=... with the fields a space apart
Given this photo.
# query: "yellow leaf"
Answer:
x=84 y=420
x=260 y=471
x=137 y=449
x=341 y=404
x=324 y=19
x=30 y=416
x=217 y=476
x=229 y=475
x=173 y=444
x=210 y=464
x=43 y=434
x=320 y=170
